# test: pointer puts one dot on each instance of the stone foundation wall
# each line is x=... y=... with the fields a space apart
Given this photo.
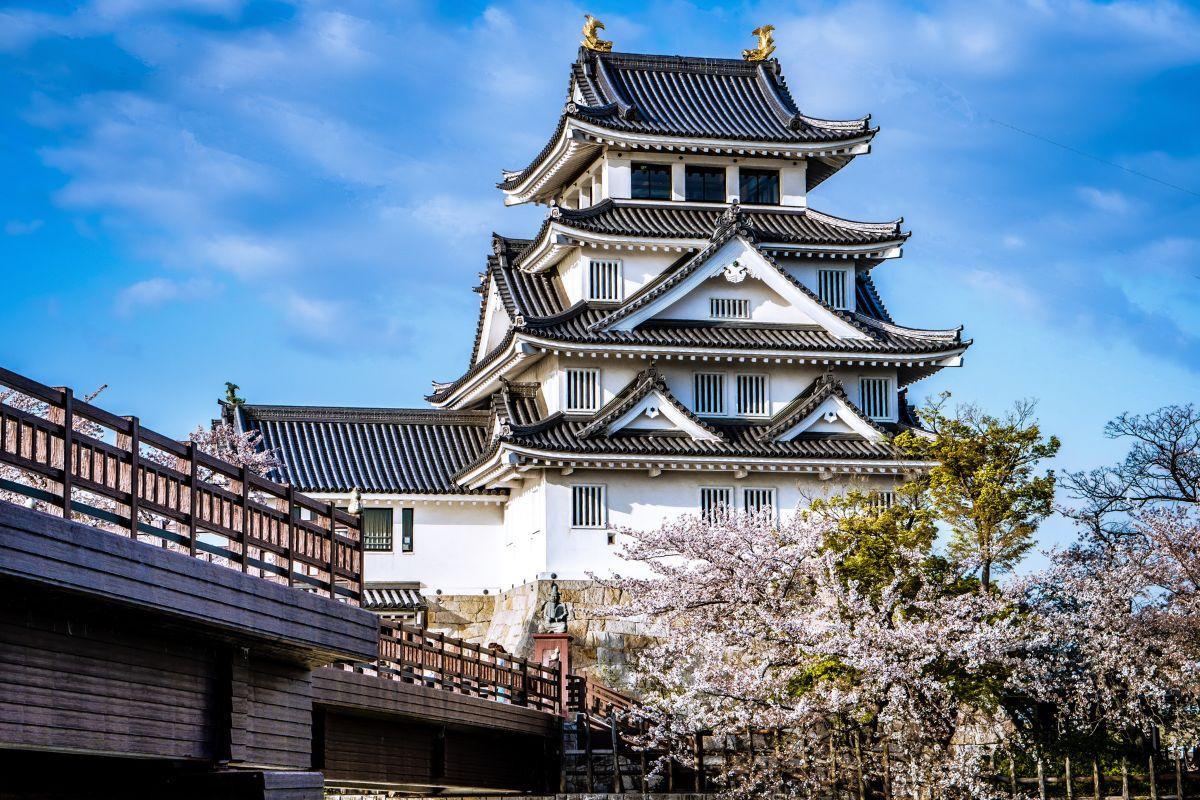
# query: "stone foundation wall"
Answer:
x=601 y=645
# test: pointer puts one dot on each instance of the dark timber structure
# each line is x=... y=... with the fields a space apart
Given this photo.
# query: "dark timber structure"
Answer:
x=173 y=625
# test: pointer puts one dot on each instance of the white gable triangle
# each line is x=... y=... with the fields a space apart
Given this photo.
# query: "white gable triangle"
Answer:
x=656 y=412
x=744 y=272
x=834 y=415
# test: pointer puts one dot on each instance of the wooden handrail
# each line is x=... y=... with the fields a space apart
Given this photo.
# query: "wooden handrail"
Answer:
x=419 y=656
x=109 y=471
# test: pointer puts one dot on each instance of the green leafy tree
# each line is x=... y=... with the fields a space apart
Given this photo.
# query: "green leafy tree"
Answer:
x=985 y=482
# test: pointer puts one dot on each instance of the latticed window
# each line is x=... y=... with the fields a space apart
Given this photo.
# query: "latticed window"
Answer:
x=876 y=397
x=406 y=530
x=715 y=501
x=831 y=284
x=752 y=399
x=604 y=281
x=583 y=390
x=710 y=392
x=728 y=308
x=882 y=501
x=377 y=529
x=704 y=184
x=589 y=507
x=759 y=186
x=757 y=500
x=650 y=181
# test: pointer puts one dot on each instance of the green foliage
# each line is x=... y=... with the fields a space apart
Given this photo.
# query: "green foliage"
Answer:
x=985 y=482
x=820 y=670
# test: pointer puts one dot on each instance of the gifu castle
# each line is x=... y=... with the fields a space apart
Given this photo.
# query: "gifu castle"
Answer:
x=684 y=332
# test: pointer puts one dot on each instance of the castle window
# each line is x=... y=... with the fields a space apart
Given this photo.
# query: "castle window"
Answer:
x=752 y=396
x=604 y=281
x=710 y=392
x=831 y=287
x=406 y=530
x=583 y=390
x=715 y=502
x=755 y=501
x=882 y=501
x=728 y=308
x=705 y=184
x=589 y=508
x=377 y=530
x=875 y=395
x=758 y=186
x=650 y=181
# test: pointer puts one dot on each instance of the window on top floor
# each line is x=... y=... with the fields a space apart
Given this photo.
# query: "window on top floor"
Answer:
x=704 y=184
x=650 y=181
x=758 y=186
x=377 y=530
x=832 y=288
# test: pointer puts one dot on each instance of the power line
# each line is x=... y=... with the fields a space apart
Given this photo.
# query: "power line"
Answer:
x=1077 y=152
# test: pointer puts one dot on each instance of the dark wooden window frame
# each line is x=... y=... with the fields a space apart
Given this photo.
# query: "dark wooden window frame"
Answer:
x=377 y=541
x=753 y=191
x=703 y=190
x=648 y=189
x=406 y=530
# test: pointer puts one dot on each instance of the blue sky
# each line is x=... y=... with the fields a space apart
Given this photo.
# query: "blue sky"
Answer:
x=297 y=196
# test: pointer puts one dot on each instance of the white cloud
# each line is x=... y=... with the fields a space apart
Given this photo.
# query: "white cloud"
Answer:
x=155 y=292
x=1110 y=201
x=17 y=227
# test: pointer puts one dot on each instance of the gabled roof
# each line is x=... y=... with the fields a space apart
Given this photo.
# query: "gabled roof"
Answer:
x=649 y=101
x=731 y=225
x=825 y=387
x=793 y=227
x=703 y=97
x=649 y=382
x=376 y=450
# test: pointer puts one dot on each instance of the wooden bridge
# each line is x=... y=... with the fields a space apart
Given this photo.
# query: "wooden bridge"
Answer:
x=173 y=625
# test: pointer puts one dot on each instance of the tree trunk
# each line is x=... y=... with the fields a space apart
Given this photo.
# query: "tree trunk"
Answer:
x=1068 y=779
x=985 y=575
x=1124 y=778
x=1096 y=785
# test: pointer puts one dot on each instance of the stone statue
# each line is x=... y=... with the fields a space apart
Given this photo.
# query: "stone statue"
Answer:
x=554 y=612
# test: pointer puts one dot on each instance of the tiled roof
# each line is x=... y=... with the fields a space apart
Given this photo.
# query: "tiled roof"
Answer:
x=647 y=381
x=696 y=98
x=396 y=450
x=383 y=597
x=719 y=98
x=798 y=226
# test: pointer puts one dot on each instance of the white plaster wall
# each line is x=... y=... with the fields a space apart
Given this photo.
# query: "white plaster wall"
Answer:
x=637 y=269
x=805 y=271
x=792 y=181
x=638 y=501
x=524 y=535
x=496 y=323
x=765 y=304
x=455 y=547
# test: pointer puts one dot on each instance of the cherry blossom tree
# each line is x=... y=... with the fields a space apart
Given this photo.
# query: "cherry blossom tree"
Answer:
x=773 y=638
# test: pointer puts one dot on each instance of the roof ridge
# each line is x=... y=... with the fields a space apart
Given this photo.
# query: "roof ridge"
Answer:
x=293 y=413
x=939 y=334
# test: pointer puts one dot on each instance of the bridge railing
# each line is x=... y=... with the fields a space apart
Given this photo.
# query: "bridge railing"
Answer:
x=64 y=455
x=418 y=656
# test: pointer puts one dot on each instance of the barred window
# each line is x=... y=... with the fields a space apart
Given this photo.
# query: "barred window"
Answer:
x=583 y=390
x=882 y=501
x=876 y=397
x=758 y=500
x=831 y=285
x=728 y=308
x=604 y=281
x=406 y=530
x=377 y=529
x=589 y=507
x=715 y=501
x=710 y=392
x=752 y=399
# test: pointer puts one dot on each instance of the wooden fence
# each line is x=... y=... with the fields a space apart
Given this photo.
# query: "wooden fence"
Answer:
x=67 y=456
x=415 y=655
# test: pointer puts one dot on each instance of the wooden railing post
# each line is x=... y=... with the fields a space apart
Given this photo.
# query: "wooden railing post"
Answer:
x=698 y=757
x=193 y=517
x=332 y=549
x=135 y=486
x=291 y=534
x=245 y=504
x=618 y=783
x=68 y=477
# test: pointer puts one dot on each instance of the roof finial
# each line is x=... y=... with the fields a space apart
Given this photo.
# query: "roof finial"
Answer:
x=766 y=44
x=590 y=40
x=231 y=395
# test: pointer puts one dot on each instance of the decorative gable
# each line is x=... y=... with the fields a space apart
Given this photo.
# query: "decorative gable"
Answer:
x=822 y=408
x=647 y=405
x=735 y=266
